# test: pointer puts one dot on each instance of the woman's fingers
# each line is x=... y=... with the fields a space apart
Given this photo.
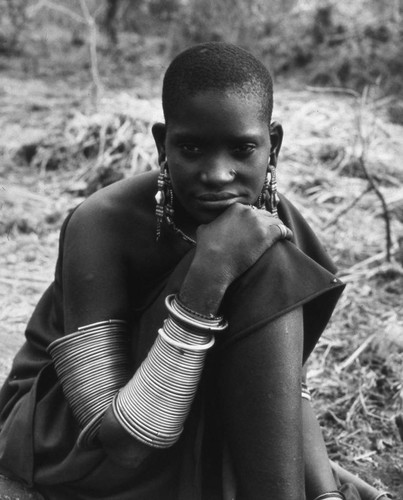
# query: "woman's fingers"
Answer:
x=285 y=232
x=275 y=224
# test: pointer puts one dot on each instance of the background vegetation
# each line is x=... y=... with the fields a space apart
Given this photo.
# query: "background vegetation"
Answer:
x=325 y=42
x=79 y=89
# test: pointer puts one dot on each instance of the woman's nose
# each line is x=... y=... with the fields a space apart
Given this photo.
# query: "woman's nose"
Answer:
x=218 y=171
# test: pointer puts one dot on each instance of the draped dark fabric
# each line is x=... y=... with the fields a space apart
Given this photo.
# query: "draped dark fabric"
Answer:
x=38 y=432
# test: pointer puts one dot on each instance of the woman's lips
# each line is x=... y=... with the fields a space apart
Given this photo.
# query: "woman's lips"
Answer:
x=216 y=201
x=216 y=196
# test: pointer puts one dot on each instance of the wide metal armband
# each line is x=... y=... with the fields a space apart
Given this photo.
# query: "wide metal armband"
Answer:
x=92 y=364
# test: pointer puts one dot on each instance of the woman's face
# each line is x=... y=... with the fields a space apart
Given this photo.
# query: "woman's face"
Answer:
x=217 y=148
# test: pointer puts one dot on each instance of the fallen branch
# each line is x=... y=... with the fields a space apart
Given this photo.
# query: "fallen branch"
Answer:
x=385 y=211
x=363 y=139
x=344 y=210
x=350 y=360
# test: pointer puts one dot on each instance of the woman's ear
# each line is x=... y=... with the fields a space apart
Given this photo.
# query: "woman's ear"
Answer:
x=276 y=139
x=159 y=132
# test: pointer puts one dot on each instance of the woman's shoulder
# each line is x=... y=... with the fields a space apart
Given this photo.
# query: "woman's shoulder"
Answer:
x=127 y=201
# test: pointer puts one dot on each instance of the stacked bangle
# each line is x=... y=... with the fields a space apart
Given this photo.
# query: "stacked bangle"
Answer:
x=92 y=364
x=195 y=321
x=331 y=495
x=182 y=346
x=337 y=495
x=182 y=308
x=153 y=406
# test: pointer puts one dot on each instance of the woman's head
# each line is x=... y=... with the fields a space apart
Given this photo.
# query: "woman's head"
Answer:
x=216 y=67
x=217 y=139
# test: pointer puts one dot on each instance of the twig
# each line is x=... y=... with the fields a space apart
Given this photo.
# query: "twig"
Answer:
x=364 y=263
x=378 y=417
x=357 y=271
x=364 y=140
x=338 y=420
x=87 y=19
x=334 y=90
x=363 y=403
x=350 y=360
x=102 y=142
x=336 y=217
x=364 y=456
x=58 y=8
x=93 y=49
x=352 y=409
x=385 y=210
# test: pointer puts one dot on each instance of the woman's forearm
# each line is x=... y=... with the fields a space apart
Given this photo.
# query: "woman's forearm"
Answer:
x=203 y=287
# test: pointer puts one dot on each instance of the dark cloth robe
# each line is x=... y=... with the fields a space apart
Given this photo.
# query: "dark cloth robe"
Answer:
x=38 y=432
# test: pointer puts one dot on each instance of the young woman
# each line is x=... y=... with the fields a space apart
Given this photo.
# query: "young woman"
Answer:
x=165 y=361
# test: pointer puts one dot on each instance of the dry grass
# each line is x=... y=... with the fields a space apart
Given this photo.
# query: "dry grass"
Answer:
x=357 y=370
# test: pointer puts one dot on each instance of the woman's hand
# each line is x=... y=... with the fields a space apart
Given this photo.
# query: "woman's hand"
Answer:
x=236 y=239
x=225 y=249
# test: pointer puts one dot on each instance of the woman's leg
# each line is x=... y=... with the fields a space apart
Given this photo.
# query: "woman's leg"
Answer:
x=318 y=472
x=260 y=394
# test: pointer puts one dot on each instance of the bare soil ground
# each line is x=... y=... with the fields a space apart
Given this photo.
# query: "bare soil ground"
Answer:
x=48 y=119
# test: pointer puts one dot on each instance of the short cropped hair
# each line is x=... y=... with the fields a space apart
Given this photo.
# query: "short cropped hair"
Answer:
x=216 y=66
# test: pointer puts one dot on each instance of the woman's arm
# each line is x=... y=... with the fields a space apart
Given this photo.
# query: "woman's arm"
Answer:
x=94 y=267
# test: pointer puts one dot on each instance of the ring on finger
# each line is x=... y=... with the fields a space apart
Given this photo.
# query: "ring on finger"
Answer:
x=283 y=231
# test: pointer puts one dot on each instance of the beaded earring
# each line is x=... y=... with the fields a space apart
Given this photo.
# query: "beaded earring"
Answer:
x=272 y=191
x=268 y=198
x=165 y=204
x=164 y=197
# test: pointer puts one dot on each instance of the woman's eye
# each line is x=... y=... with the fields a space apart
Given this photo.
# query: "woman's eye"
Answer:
x=190 y=148
x=245 y=149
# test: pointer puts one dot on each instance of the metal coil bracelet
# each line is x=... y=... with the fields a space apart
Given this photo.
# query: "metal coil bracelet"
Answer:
x=92 y=364
x=153 y=406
